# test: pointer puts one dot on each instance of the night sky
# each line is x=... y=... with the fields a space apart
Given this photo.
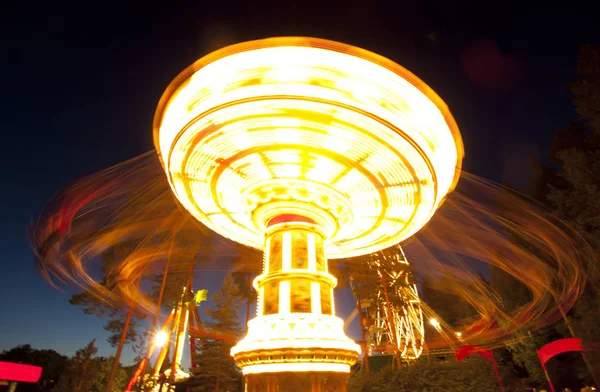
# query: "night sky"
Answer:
x=81 y=82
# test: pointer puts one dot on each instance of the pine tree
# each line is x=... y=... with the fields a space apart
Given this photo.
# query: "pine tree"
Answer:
x=189 y=246
x=216 y=370
x=116 y=315
x=100 y=379
x=140 y=347
x=577 y=150
x=86 y=373
x=80 y=371
x=247 y=264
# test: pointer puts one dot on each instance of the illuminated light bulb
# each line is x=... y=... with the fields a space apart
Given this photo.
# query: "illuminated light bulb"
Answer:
x=161 y=339
x=434 y=323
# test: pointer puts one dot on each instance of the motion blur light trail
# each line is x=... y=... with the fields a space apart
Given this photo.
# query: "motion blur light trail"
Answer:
x=128 y=210
x=484 y=222
x=131 y=206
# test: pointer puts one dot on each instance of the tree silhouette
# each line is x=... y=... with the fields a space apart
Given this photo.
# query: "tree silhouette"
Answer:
x=93 y=305
x=216 y=369
x=87 y=373
x=52 y=363
x=574 y=194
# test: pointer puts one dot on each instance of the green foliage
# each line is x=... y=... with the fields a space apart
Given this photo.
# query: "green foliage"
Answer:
x=247 y=264
x=570 y=187
x=522 y=352
x=116 y=327
x=79 y=372
x=577 y=150
x=216 y=369
x=243 y=280
x=577 y=200
x=100 y=379
x=92 y=305
x=574 y=195
x=86 y=373
x=472 y=374
x=116 y=317
x=584 y=317
x=52 y=363
x=140 y=347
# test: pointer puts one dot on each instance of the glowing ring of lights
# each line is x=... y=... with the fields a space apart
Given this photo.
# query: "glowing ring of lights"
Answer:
x=272 y=126
x=308 y=341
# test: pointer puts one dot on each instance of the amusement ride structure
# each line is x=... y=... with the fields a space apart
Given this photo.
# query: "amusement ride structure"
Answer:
x=310 y=150
x=391 y=316
x=169 y=341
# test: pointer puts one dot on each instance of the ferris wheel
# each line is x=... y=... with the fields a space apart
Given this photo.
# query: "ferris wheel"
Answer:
x=392 y=317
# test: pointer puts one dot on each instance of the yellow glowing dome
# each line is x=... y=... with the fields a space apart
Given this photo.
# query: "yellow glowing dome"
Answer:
x=310 y=127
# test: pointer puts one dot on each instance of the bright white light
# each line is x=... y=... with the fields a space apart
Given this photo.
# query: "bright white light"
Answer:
x=296 y=367
x=435 y=323
x=458 y=334
x=295 y=330
x=161 y=339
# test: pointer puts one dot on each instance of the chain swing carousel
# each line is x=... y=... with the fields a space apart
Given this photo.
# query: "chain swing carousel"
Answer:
x=310 y=150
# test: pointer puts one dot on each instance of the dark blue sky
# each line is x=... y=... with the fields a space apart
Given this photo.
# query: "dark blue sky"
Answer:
x=81 y=82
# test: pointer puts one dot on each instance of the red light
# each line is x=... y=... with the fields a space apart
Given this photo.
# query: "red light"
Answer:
x=19 y=372
x=287 y=218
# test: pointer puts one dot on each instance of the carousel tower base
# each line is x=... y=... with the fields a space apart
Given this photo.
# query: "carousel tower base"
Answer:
x=296 y=382
x=296 y=343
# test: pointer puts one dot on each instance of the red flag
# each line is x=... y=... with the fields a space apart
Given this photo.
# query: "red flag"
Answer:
x=18 y=372
x=558 y=347
x=469 y=349
x=486 y=353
